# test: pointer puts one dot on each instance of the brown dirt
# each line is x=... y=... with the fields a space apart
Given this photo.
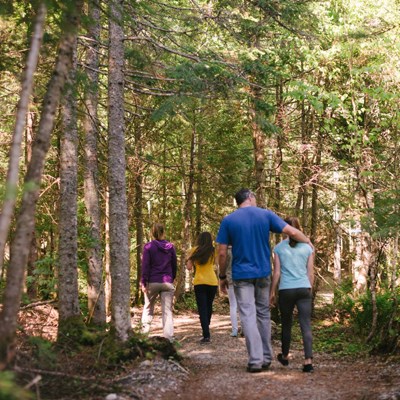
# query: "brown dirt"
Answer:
x=218 y=371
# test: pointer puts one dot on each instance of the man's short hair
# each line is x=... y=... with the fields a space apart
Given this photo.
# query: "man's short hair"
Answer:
x=242 y=195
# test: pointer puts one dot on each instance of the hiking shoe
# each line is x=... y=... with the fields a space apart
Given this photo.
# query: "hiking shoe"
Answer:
x=308 y=368
x=266 y=366
x=253 y=369
x=282 y=360
x=205 y=340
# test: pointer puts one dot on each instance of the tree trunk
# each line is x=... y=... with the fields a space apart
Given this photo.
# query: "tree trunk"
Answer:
x=315 y=184
x=278 y=159
x=184 y=276
x=68 y=294
x=96 y=301
x=337 y=254
x=108 y=283
x=119 y=241
x=138 y=207
x=359 y=269
x=199 y=182
x=259 y=145
x=32 y=287
x=15 y=151
x=372 y=287
x=25 y=222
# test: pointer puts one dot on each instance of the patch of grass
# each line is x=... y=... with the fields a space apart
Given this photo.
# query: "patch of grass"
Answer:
x=187 y=302
x=9 y=390
x=338 y=339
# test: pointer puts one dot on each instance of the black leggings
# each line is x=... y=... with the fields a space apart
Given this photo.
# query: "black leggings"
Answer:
x=204 y=298
x=301 y=298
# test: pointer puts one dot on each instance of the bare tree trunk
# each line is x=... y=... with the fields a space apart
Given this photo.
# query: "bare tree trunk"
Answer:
x=119 y=240
x=359 y=269
x=337 y=255
x=68 y=294
x=108 y=283
x=138 y=206
x=315 y=184
x=259 y=145
x=279 y=122
x=32 y=288
x=184 y=275
x=25 y=222
x=373 y=269
x=96 y=301
x=199 y=183
x=15 y=151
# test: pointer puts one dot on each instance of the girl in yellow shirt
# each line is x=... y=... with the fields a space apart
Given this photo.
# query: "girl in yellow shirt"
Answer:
x=205 y=281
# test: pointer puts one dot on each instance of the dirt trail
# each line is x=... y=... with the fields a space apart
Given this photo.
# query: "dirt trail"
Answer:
x=217 y=371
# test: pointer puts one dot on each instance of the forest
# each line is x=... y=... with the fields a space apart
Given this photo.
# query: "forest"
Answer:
x=121 y=113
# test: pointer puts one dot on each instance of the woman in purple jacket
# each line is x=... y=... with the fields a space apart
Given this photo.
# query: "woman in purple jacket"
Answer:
x=158 y=274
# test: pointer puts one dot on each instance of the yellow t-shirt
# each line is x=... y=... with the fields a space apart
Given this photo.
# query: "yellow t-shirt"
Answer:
x=205 y=273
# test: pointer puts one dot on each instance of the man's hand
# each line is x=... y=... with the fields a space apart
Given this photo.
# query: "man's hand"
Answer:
x=272 y=299
x=223 y=286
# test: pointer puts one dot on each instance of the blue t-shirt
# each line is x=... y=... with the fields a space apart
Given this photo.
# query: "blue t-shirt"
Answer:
x=247 y=231
x=293 y=262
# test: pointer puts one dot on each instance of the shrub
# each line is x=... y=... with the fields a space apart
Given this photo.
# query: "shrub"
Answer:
x=9 y=390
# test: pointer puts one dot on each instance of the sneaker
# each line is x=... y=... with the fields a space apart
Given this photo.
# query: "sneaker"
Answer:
x=308 y=368
x=234 y=333
x=266 y=366
x=253 y=369
x=283 y=361
x=205 y=340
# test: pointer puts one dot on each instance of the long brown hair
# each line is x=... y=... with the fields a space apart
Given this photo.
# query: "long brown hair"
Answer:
x=293 y=221
x=157 y=231
x=204 y=248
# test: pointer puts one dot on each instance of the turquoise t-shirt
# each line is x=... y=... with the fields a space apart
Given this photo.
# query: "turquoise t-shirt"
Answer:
x=293 y=262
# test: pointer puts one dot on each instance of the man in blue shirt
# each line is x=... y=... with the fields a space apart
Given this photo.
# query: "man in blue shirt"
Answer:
x=247 y=231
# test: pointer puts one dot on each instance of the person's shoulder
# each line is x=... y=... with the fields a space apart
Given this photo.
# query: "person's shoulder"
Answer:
x=148 y=245
x=281 y=244
x=305 y=246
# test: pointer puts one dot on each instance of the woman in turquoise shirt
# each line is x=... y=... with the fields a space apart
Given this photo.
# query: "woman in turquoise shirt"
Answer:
x=294 y=271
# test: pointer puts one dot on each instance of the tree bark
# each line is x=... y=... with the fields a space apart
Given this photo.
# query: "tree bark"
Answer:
x=15 y=151
x=259 y=145
x=32 y=287
x=199 y=182
x=96 y=300
x=25 y=221
x=184 y=276
x=108 y=283
x=119 y=241
x=68 y=294
x=138 y=207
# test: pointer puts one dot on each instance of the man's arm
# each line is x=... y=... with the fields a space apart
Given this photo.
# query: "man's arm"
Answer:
x=222 y=256
x=275 y=280
x=310 y=269
x=297 y=235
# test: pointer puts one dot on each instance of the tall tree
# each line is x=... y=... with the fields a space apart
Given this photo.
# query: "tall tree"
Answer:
x=119 y=243
x=25 y=221
x=96 y=297
x=68 y=294
x=21 y=118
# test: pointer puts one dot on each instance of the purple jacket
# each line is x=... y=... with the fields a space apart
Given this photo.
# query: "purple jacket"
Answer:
x=158 y=262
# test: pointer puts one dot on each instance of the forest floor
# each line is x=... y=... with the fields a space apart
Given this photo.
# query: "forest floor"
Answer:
x=217 y=370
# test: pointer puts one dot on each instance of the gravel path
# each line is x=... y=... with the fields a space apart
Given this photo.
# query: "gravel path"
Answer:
x=217 y=371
